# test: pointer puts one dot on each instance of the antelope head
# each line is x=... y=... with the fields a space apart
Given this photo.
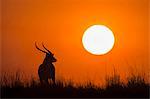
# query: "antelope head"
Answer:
x=49 y=56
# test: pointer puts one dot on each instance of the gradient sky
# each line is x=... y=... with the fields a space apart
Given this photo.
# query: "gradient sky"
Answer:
x=60 y=24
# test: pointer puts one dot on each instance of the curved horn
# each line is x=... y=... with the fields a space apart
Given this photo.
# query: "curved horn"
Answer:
x=39 y=48
x=46 y=48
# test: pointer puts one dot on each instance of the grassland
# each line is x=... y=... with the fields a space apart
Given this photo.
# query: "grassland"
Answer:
x=14 y=87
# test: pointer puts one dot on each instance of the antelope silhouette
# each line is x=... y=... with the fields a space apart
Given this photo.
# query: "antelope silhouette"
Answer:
x=46 y=69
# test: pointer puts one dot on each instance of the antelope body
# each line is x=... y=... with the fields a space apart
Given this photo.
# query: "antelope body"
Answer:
x=46 y=69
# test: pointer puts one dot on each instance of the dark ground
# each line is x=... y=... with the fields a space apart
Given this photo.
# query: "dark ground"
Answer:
x=136 y=87
x=59 y=90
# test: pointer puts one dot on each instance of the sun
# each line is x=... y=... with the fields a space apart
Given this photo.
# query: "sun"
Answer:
x=98 y=39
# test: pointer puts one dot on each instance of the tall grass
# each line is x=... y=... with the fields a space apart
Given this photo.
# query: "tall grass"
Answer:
x=14 y=86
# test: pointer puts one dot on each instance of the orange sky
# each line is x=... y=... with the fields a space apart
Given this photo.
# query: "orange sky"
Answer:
x=60 y=24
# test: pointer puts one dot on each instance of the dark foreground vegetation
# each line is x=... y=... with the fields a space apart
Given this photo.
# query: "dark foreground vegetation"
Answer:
x=135 y=87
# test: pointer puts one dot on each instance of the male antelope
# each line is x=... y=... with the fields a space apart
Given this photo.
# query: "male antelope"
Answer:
x=46 y=69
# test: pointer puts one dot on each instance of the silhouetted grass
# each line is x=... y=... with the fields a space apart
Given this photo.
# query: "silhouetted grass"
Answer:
x=13 y=86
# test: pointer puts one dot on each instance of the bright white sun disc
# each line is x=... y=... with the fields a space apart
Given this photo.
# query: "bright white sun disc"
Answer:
x=98 y=39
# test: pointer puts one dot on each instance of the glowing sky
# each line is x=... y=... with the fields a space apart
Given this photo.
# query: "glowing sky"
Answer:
x=60 y=24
